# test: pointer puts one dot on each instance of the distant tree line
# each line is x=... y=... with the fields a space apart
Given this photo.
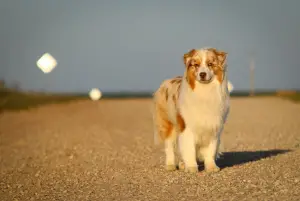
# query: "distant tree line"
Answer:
x=14 y=85
x=2 y=84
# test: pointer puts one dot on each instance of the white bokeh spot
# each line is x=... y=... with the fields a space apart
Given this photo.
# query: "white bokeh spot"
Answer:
x=230 y=86
x=95 y=94
x=46 y=63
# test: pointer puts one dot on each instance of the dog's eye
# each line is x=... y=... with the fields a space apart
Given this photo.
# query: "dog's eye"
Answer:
x=191 y=66
x=196 y=65
x=209 y=64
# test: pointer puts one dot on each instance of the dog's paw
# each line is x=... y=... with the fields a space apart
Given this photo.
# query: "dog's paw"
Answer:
x=212 y=169
x=191 y=169
x=170 y=167
x=181 y=165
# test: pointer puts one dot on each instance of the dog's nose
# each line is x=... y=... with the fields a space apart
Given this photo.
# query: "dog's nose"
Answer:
x=202 y=75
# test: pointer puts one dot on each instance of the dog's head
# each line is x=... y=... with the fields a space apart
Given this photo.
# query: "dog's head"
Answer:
x=205 y=65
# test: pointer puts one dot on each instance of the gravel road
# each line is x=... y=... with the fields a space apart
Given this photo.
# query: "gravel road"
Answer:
x=104 y=151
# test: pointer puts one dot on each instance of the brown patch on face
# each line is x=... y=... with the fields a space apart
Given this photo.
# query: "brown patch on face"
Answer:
x=219 y=73
x=180 y=122
x=187 y=56
x=216 y=60
x=192 y=63
x=211 y=59
x=220 y=55
x=191 y=77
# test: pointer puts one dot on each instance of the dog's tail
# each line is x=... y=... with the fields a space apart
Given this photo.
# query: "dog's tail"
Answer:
x=156 y=137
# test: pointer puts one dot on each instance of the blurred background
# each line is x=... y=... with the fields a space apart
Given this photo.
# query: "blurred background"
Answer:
x=131 y=46
x=77 y=51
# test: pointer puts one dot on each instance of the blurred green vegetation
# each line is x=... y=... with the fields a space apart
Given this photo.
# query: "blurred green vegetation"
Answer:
x=16 y=100
x=292 y=97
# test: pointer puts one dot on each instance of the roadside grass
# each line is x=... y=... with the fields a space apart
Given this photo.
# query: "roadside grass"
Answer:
x=288 y=95
x=293 y=97
x=15 y=100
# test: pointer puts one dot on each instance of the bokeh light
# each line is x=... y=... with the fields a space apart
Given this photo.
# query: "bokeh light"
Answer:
x=95 y=94
x=46 y=63
x=230 y=86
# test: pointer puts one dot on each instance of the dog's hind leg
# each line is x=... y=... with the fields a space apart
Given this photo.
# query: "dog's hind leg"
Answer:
x=170 y=143
x=166 y=132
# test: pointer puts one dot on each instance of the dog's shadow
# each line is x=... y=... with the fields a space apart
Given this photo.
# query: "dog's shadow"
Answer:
x=229 y=159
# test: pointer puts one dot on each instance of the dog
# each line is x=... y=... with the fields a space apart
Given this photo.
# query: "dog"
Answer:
x=192 y=109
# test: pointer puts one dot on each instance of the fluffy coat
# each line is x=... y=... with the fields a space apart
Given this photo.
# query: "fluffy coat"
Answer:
x=193 y=109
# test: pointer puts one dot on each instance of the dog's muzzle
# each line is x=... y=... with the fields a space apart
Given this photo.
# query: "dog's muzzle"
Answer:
x=204 y=75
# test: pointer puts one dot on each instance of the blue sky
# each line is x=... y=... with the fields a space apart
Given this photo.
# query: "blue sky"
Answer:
x=133 y=45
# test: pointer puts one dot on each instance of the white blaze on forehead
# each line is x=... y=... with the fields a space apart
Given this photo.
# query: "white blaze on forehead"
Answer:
x=200 y=54
x=203 y=54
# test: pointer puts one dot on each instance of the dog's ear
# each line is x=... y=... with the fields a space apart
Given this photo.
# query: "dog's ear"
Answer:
x=221 y=55
x=187 y=57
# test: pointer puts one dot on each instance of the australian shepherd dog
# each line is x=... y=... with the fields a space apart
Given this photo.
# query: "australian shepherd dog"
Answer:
x=191 y=110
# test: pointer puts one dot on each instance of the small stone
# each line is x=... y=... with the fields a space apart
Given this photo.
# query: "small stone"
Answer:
x=37 y=174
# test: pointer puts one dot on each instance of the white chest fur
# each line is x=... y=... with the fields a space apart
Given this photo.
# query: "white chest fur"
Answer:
x=204 y=108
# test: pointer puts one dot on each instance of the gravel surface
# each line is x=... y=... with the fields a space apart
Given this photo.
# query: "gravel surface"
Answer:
x=105 y=151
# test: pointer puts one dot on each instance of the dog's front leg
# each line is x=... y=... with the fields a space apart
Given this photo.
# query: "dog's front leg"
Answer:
x=209 y=155
x=187 y=150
